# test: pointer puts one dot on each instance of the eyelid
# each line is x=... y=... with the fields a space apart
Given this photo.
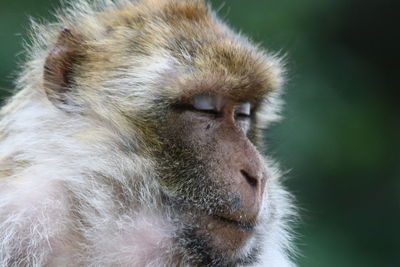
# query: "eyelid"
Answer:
x=243 y=109
x=205 y=103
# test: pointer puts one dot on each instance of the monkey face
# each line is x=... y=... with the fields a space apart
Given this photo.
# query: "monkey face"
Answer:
x=210 y=169
x=186 y=96
x=152 y=140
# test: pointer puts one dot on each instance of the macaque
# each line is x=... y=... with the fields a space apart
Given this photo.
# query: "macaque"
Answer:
x=135 y=139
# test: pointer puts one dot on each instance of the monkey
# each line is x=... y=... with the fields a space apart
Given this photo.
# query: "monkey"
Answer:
x=135 y=138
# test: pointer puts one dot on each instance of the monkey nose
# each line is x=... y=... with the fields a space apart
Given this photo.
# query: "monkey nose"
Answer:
x=251 y=180
x=251 y=190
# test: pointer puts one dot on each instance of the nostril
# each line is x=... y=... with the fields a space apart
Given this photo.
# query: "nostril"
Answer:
x=253 y=182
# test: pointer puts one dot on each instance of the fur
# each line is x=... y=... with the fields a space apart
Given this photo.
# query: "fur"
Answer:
x=75 y=187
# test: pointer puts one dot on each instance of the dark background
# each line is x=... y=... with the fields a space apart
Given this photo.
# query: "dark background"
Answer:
x=340 y=138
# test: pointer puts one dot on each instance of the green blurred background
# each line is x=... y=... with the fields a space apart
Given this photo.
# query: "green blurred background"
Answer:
x=340 y=138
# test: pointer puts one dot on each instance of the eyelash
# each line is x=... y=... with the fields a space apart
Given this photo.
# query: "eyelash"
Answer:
x=184 y=106
x=215 y=113
x=211 y=112
x=241 y=115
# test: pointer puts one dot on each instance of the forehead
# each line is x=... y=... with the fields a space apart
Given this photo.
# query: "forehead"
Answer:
x=207 y=56
x=217 y=60
x=222 y=64
x=228 y=66
x=232 y=69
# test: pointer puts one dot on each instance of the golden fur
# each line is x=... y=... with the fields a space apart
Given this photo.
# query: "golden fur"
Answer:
x=65 y=153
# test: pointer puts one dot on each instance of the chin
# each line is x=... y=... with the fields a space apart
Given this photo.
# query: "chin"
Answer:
x=218 y=241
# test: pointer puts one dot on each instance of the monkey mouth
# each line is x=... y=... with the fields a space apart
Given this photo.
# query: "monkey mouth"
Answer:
x=245 y=226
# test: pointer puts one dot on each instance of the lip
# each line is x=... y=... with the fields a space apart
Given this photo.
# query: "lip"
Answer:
x=245 y=226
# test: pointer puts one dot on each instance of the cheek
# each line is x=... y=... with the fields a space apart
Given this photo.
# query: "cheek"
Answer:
x=187 y=130
x=206 y=143
x=201 y=133
x=244 y=125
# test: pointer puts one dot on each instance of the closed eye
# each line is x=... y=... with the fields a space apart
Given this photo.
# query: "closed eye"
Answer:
x=243 y=110
x=202 y=103
x=211 y=104
x=206 y=104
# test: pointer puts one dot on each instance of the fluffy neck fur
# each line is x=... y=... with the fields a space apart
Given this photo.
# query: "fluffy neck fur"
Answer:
x=73 y=194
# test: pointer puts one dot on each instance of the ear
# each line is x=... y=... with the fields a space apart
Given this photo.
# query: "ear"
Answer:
x=59 y=65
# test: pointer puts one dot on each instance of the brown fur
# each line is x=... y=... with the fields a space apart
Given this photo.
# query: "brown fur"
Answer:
x=110 y=172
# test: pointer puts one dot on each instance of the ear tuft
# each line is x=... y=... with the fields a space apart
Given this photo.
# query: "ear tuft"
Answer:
x=59 y=64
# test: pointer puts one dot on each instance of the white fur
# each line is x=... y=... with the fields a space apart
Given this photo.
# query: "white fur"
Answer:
x=56 y=207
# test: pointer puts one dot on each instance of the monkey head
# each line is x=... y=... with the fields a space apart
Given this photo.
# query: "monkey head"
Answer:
x=186 y=92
